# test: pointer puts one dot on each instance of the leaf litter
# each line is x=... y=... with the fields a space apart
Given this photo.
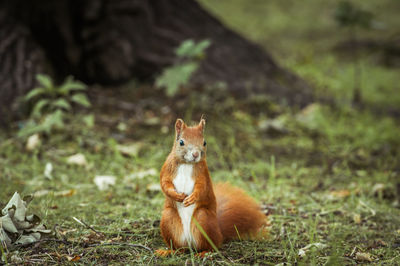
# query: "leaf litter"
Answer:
x=77 y=159
x=318 y=246
x=18 y=228
x=104 y=182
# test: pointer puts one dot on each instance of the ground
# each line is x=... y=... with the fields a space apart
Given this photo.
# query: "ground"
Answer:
x=327 y=175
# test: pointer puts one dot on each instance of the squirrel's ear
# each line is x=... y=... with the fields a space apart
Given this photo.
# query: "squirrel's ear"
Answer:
x=179 y=126
x=202 y=124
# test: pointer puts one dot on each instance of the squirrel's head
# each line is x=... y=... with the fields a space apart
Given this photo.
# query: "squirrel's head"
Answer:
x=189 y=145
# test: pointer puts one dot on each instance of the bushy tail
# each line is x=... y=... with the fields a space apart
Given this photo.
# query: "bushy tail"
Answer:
x=238 y=214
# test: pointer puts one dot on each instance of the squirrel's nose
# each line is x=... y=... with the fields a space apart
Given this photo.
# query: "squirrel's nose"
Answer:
x=195 y=154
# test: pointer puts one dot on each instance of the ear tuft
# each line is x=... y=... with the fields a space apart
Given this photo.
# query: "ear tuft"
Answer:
x=202 y=123
x=179 y=126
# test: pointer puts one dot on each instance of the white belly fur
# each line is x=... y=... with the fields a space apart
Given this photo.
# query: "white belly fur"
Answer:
x=184 y=183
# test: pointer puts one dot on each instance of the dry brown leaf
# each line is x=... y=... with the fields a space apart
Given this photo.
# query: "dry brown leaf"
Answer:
x=341 y=193
x=75 y=258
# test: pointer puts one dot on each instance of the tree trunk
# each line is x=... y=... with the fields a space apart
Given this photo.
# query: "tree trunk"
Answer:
x=110 y=42
x=20 y=60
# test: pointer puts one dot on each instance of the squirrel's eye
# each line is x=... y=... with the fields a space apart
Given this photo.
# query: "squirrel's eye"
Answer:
x=205 y=143
x=181 y=143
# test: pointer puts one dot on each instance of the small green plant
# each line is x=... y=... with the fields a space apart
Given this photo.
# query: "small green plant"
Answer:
x=51 y=103
x=189 y=55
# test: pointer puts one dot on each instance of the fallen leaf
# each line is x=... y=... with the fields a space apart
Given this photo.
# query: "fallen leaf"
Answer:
x=104 y=182
x=27 y=239
x=318 y=246
x=16 y=259
x=340 y=193
x=360 y=256
x=16 y=207
x=41 y=193
x=33 y=142
x=75 y=258
x=65 y=193
x=130 y=149
x=18 y=228
x=77 y=159
x=48 y=169
x=8 y=224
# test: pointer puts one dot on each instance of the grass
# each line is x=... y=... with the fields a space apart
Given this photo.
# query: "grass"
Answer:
x=324 y=175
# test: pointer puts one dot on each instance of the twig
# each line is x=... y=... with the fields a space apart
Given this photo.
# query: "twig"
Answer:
x=86 y=225
x=121 y=244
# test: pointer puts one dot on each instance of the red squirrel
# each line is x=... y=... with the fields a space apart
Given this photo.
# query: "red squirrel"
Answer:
x=223 y=212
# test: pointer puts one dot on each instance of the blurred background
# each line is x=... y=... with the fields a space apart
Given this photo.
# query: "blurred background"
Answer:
x=301 y=100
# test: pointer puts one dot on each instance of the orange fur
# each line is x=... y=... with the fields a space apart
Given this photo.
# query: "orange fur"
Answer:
x=220 y=215
x=236 y=209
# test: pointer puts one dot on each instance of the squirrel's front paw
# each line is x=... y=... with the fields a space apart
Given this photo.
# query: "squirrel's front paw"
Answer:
x=189 y=200
x=180 y=197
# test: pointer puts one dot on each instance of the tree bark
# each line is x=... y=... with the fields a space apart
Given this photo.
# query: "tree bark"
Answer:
x=20 y=60
x=111 y=42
